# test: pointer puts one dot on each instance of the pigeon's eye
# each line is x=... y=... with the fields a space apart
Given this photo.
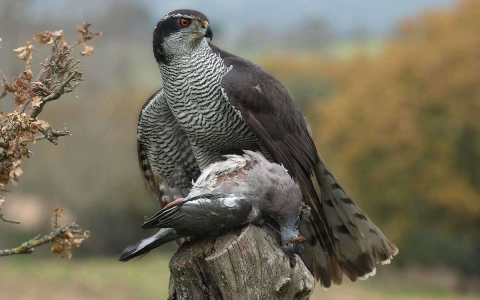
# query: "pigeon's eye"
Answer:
x=184 y=22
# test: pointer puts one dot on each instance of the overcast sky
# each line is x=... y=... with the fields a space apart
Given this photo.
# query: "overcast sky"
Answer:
x=375 y=16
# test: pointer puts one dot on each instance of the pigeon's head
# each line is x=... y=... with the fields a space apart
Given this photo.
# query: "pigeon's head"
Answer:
x=178 y=33
x=290 y=237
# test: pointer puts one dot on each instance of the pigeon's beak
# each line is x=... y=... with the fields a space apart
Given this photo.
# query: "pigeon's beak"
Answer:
x=207 y=32
x=291 y=239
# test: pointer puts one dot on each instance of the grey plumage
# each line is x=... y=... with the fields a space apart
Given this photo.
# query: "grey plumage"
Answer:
x=214 y=103
x=165 y=155
x=240 y=190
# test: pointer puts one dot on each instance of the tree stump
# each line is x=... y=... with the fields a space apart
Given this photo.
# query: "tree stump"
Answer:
x=246 y=263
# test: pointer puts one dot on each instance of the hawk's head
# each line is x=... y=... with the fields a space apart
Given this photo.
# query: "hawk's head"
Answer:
x=178 y=33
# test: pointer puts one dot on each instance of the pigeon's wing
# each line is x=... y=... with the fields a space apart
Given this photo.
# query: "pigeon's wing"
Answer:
x=204 y=213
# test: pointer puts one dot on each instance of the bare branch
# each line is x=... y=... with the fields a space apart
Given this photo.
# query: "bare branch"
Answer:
x=53 y=96
x=29 y=246
x=4 y=93
x=59 y=75
x=47 y=133
x=43 y=74
x=9 y=220
x=52 y=135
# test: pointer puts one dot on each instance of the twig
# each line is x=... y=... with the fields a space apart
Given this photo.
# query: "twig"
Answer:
x=29 y=246
x=4 y=93
x=47 y=133
x=51 y=134
x=53 y=96
x=58 y=75
x=8 y=220
x=43 y=74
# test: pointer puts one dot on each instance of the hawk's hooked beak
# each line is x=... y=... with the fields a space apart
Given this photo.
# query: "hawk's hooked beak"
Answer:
x=208 y=33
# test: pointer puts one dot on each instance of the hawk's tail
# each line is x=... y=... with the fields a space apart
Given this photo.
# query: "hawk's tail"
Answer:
x=163 y=236
x=357 y=245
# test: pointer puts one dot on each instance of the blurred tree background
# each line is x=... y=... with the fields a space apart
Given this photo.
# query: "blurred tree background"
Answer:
x=396 y=117
x=402 y=131
x=405 y=132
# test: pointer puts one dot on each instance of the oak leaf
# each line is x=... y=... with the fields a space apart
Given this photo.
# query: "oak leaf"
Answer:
x=88 y=50
x=48 y=37
x=25 y=52
x=36 y=101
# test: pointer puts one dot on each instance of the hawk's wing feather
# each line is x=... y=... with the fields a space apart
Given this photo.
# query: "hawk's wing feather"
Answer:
x=271 y=112
x=142 y=151
x=345 y=240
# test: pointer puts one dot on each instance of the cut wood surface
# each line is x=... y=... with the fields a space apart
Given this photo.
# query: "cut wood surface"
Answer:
x=246 y=263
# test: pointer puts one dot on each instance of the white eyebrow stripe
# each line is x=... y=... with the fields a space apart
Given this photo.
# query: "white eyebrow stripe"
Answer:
x=176 y=16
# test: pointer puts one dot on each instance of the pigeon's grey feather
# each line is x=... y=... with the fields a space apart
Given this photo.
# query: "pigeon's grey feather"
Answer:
x=238 y=191
x=164 y=236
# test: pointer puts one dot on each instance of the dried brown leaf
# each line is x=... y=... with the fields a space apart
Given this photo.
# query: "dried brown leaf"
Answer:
x=27 y=75
x=15 y=172
x=48 y=37
x=21 y=87
x=64 y=244
x=58 y=35
x=88 y=50
x=58 y=212
x=85 y=34
x=43 y=38
x=21 y=99
x=41 y=123
x=8 y=88
x=25 y=52
x=36 y=101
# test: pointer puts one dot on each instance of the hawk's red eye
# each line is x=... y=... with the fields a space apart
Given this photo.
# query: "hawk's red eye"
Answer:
x=184 y=22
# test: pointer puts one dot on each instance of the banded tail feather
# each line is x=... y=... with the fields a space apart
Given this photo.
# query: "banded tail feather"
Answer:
x=358 y=244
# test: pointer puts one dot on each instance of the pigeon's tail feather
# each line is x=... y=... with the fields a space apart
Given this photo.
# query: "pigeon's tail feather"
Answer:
x=164 y=236
x=358 y=245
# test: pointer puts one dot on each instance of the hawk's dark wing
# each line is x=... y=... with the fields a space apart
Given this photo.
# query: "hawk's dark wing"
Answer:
x=166 y=159
x=344 y=238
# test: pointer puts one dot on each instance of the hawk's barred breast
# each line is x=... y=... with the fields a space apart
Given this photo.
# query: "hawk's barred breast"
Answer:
x=200 y=105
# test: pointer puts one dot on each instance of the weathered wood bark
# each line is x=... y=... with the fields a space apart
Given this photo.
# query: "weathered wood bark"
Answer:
x=245 y=264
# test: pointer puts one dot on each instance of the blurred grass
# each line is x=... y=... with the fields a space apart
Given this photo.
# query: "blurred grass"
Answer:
x=26 y=277
x=96 y=278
